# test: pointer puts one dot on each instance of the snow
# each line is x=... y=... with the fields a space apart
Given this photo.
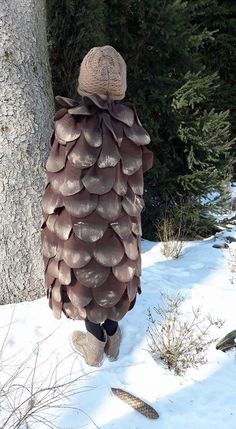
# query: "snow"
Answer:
x=203 y=398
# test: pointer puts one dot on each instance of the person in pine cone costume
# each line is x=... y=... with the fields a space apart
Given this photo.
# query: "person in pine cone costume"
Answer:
x=92 y=204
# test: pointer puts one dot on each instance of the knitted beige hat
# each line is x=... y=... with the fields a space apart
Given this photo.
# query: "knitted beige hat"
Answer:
x=103 y=72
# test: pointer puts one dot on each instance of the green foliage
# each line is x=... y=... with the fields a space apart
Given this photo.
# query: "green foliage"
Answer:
x=171 y=49
x=218 y=54
x=74 y=27
x=179 y=222
x=204 y=134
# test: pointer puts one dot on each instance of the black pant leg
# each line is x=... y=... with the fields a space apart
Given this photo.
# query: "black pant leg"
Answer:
x=110 y=326
x=95 y=329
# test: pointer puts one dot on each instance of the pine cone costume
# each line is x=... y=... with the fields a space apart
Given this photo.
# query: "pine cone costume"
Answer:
x=92 y=207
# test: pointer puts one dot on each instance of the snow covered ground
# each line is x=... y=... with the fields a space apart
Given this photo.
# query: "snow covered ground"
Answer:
x=203 y=398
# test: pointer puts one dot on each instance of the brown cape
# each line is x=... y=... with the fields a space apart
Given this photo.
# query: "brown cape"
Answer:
x=92 y=207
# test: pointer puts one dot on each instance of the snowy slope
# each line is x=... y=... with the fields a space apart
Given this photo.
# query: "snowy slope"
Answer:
x=202 y=399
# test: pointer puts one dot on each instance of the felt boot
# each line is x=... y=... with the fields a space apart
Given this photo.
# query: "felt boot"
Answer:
x=88 y=346
x=113 y=345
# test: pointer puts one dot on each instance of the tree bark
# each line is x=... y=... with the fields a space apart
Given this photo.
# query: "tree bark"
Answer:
x=26 y=102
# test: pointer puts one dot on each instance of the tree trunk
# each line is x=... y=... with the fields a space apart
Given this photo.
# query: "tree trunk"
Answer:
x=26 y=102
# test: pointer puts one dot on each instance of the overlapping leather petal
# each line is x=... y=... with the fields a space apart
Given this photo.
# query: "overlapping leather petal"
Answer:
x=95 y=313
x=52 y=268
x=110 y=292
x=66 y=102
x=99 y=180
x=46 y=262
x=78 y=294
x=56 y=180
x=82 y=155
x=56 y=308
x=64 y=273
x=67 y=181
x=136 y=225
x=132 y=106
x=131 y=157
x=108 y=250
x=124 y=271
x=92 y=204
x=57 y=157
x=117 y=131
x=67 y=128
x=49 y=243
x=137 y=134
x=71 y=183
x=114 y=126
x=132 y=203
x=109 y=155
x=132 y=287
x=74 y=312
x=90 y=228
x=76 y=253
x=81 y=204
x=50 y=221
x=93 y=274
x=136 y=183
x=59 y=114
x=123 y=113
x=82 y=109
x=94 y=99
x=138 y=266
x=63 y=225
x=49 y=280
x=118 y=311
x=122 y=225
x=51 y=201
x=92 y=130
x=131 y=246
x=56 y=291
x=120 y=184
x=109 y=205
x=59 y=254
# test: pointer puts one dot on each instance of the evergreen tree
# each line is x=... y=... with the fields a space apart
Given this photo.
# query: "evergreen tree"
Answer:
x=204 y=134
x=218 y=52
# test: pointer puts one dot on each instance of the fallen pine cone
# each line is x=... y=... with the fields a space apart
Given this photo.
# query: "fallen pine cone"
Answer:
x=136 y=403
x=228 y=342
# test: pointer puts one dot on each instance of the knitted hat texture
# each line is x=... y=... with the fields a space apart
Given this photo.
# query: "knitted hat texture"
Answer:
x=103 y=72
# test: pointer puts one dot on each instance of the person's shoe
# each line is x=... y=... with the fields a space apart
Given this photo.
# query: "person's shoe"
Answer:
x=88 y=346
x=112 y=346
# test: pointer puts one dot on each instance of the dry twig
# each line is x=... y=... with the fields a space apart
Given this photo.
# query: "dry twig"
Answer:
x=180 y=341
x=28 y=398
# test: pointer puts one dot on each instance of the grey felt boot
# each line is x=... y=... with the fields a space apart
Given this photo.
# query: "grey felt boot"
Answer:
x=113 y=345
x=88 y=346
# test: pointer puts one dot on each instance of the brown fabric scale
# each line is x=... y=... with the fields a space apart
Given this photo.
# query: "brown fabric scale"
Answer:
x=92 y=207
